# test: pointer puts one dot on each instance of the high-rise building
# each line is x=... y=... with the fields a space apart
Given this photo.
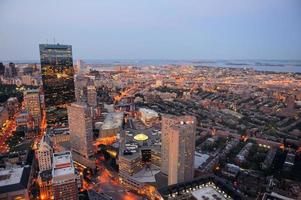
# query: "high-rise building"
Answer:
x=44 y=154
x=81 y=133
x=13 y=69
x=2 y=69
x=58 y=82
x=181 y=152
x=178 y=147
x=64 y=178
x=91 y=94
x=32 y=102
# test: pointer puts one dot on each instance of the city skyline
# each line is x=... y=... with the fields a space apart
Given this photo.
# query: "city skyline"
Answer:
x=154 y=30
x=182 y=126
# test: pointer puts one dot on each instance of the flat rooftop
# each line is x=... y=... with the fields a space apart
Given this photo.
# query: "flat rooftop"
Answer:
x=11 y=176
x=113 y=120
x=148 y=112
x=209 y=192
x=133 y=147
x=62 y=164
x=14 y=179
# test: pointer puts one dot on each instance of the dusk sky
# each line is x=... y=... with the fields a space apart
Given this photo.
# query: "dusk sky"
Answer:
x=153 y=29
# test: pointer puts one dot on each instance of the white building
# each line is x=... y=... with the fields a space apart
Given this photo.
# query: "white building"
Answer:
x=112 y=124
x=44 y=154
x=64 y=178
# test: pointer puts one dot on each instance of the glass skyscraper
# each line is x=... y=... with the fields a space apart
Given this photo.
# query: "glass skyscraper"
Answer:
x=58 y=81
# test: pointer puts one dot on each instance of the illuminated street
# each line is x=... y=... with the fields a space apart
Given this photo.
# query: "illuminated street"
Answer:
x=107 y=183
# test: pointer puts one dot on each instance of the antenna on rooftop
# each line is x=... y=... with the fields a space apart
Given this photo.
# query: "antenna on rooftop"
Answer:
x=53 y=40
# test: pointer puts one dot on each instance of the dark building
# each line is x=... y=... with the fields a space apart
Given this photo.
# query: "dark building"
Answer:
x=13 y=69
x=58 y=81
x=2 y=69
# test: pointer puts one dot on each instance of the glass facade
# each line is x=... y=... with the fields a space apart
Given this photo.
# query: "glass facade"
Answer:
x=58 y=81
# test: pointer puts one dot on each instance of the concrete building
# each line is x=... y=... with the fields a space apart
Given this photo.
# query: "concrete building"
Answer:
x=112 y=124
x=139 y=157
x=176 y=125
x=241 y=156
x=204 y=187
x=91 y=94
x=181 y=151
x=148 y=116
x=81 y=133
x=14 y=183
x=64 y=178
x=44 y=154
x=33 y=105
x=59 y=135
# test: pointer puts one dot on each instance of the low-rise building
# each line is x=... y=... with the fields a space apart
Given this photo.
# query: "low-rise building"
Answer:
x=14 y=183
x=112 y=124
x=148 y=116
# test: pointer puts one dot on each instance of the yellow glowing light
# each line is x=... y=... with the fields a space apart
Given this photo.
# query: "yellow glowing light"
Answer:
x=141 y=137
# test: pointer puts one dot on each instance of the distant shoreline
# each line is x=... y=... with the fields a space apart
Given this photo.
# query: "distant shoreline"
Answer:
x=288 y=66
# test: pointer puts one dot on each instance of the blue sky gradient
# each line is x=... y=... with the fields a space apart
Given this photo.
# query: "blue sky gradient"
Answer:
x=156 y=29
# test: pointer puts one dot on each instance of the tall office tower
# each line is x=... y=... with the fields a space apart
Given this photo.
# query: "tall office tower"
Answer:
x=91 y=94
x=181 y=152
x=58 y=82
x=64 y=178
x=13 y=69
x=2 y=69
x=32 y=102
x=81 y=133
x=178 y=146
x=44 y=154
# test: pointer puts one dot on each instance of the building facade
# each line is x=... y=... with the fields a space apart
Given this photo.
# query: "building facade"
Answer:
x=58 y=81
x=64 y=178
x=81 y=132
x=91 y=95
x=44 y=154
x=178 y=146
x=32 y=102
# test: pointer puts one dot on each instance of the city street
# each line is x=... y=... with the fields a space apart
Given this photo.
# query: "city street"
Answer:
x=107 y=183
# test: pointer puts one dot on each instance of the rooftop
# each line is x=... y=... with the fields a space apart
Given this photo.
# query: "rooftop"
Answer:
x=11 y=176
x=14 y=179
x=62 y=164
x=148 y=112
x=210 y=192
x=140 y=137
x=113 y=120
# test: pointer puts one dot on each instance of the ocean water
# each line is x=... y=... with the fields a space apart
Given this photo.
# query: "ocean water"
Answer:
x=293 y=66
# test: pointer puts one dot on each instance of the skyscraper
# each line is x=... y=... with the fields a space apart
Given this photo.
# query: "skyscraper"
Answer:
x=2 y=69
x=181 y=152
x=13 y=69
x=58 y=82
x=178 y=146
x=32 y=102
x=81 y=133
x=91 y=94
